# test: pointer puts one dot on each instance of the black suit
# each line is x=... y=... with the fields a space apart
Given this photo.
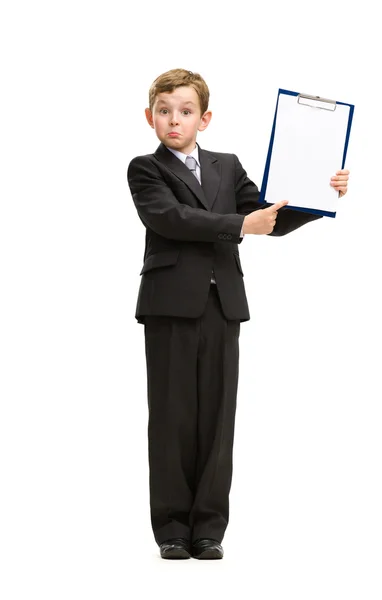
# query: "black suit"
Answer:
x=192 y=330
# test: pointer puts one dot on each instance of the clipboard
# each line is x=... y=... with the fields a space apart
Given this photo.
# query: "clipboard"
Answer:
x=308 y=145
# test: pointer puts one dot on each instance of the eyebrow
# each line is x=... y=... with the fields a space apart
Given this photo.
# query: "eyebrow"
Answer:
x=188 y=102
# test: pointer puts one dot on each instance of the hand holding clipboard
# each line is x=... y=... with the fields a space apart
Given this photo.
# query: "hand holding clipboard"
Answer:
x=340 y=182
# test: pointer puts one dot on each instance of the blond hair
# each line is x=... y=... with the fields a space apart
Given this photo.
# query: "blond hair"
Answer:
x=167 y=82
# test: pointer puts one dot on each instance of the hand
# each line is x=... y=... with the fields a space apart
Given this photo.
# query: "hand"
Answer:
x=262 y=221
x=340 y=182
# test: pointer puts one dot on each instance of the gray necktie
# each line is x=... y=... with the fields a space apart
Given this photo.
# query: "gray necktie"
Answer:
x=191 y=164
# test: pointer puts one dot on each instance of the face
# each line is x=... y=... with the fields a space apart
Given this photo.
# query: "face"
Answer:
x=176 y=118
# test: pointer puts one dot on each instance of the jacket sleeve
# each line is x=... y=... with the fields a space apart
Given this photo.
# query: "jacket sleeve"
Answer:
x=247 y=201
x=160 y=210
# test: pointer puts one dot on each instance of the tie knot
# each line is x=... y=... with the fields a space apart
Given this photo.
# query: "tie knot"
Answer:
x=191 y=163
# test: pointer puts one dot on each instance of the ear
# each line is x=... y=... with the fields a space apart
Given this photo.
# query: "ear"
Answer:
x=206 y=118
x=149 y=117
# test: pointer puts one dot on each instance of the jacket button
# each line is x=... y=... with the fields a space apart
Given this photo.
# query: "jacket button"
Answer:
x=229 y=236
x=220 y=236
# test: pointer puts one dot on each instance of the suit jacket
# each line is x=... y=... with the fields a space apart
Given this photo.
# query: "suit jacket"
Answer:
x=192 y=229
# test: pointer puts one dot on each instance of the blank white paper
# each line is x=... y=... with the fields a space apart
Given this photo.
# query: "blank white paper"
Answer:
x=307 y=151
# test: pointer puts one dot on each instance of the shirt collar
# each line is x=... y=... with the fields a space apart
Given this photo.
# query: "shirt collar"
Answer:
x=182 y=156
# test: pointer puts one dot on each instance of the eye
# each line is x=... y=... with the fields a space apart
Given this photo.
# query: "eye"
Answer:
x=187 y=111
x=162 y=109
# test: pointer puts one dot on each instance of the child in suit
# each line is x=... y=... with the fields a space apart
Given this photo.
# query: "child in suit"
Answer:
x=196 y=206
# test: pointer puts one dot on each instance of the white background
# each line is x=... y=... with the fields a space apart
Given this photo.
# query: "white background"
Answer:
x=306 y=495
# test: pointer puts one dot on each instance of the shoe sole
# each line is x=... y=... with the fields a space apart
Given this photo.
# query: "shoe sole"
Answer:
x=177 y=554
x=209 y=555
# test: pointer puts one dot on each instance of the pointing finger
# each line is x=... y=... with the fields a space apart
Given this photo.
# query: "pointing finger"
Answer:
x=277 y=205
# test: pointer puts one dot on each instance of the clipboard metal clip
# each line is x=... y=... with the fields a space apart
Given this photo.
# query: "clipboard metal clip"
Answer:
x=317 y=102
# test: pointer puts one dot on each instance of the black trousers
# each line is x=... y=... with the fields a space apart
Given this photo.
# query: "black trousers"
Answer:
x=192 y=379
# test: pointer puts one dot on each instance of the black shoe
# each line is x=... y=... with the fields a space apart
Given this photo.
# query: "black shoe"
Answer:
x=175 y=548
x=207 y=549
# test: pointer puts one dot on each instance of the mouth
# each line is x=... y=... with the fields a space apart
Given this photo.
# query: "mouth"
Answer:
x=173 y=134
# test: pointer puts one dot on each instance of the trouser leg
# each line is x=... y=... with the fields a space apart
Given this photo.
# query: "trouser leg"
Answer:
x=218 y=372
x=171 y=355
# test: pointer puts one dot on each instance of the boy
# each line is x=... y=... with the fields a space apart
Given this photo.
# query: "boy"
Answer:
x=196 y=206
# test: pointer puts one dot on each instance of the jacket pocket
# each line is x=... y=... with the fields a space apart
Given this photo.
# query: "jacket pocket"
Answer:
x=161 y=259
x=238 y=263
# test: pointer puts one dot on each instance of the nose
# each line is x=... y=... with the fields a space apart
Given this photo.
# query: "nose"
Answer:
x=174 y=120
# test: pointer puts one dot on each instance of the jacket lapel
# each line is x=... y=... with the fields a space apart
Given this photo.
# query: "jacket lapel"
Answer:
x=210 y=174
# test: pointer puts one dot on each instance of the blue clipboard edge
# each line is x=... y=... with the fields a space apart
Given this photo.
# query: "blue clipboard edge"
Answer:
x=269 y=154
